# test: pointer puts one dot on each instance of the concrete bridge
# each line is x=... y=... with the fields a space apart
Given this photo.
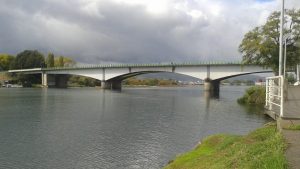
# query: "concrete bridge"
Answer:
x=111 y=75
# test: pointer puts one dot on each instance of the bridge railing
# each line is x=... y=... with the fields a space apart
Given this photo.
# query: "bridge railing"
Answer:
x=212 y=63
x=274 y=94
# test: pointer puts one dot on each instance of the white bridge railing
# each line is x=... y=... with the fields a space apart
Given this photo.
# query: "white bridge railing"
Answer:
x=274 y=94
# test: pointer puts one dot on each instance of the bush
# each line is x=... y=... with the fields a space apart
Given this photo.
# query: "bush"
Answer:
x=254 y=96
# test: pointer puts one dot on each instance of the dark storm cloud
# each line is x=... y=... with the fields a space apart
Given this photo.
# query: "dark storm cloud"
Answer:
x=115 y=31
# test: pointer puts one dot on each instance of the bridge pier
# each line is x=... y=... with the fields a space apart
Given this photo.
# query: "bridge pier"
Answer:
x=48 y=80
x=44 y=80
x=212 y=87
x=58 y=81
x=111 y=85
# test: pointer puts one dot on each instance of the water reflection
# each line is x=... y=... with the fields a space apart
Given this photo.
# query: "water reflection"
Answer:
x=207 y=98
x=253 y=109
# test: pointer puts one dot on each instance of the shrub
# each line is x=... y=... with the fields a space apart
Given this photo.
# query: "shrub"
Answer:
x=254 y=95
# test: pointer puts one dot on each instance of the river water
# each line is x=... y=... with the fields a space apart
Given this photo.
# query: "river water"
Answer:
x=93 y=128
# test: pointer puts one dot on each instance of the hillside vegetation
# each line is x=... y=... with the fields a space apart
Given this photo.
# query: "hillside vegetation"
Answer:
x=149 y=82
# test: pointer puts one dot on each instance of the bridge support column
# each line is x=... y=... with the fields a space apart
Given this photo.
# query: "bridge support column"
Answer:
x=48 y=80
x=44 y=79
x=59 y=81
x=106 y=85
x=112 y=85
x=212 y=87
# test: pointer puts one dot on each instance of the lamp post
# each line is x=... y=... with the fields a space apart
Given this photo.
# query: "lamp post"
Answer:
x=281 y=38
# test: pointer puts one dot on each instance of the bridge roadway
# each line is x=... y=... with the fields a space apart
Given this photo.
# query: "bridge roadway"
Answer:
x=111 y=75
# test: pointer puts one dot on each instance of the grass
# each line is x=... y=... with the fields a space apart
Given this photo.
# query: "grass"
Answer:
x=261 y=149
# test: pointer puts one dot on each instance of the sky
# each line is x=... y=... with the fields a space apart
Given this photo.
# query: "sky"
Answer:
x=132 y=31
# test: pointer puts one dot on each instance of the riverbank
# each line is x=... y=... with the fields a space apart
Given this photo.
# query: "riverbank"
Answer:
x=262 y=148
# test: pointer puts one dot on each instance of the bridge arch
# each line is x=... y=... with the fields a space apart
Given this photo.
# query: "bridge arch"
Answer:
x=241 y=74
x=95 y=74
x=133 y=74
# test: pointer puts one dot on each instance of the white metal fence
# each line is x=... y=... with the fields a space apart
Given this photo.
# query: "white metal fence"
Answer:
x=274 y=94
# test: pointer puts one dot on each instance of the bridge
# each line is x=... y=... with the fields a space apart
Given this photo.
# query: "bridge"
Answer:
x=112 y=75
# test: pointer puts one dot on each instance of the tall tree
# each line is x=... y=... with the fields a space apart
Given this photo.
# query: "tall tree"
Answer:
x=261 y=45
x=50 y=60
x=6 y=61
x=29 y=59
x=60 y=61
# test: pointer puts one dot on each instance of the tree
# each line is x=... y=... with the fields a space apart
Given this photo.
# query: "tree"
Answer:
x=29 y=59
x=50 y=60
x=261 y=45
x=6 y=61
x=60 y=62
x=68 y=62
x=63 y=61
x=26 y=60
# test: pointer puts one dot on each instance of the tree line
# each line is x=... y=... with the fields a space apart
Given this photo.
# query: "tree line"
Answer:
x=34 y=59
x=149 y=82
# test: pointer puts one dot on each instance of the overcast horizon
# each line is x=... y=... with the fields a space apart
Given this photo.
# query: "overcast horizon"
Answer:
x=133 y=31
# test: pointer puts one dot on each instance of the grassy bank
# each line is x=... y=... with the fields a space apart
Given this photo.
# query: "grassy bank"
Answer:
x=262 y=148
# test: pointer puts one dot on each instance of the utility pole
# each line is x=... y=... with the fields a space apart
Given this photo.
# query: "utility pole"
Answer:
x=281 y=38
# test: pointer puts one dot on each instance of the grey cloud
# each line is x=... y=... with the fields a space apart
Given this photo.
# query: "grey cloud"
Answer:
x=122 y=33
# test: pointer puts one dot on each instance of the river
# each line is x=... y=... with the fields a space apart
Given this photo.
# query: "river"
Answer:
x=93 y=128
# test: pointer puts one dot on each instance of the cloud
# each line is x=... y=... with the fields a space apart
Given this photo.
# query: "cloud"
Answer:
x=96 y=31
